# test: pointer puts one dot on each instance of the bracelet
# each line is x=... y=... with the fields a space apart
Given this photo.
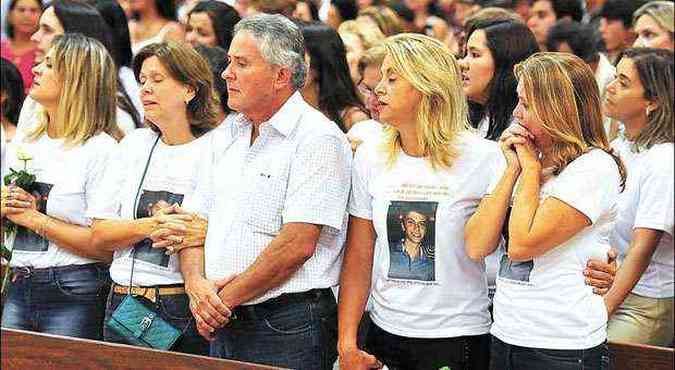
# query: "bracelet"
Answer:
x=44 y=226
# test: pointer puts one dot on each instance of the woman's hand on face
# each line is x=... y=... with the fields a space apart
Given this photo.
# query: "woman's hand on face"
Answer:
x=508 y=149
x=14 y=200
x=516 y=129
x=528 y=156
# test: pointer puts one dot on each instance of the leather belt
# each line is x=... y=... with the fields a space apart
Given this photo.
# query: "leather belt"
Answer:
x=150 y=293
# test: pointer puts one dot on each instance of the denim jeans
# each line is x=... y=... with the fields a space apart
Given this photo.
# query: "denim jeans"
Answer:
x=175 y=310
x=297 y=331
x=65 y=300
x=404 y=353
x=509 y=357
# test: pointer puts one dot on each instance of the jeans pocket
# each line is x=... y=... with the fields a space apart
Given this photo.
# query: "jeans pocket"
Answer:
x=175 y=307
x=290 y=321
x=567 y=358
x=81 y=285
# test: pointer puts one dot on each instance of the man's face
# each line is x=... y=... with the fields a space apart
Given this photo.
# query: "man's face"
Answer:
x=415 y=227
x=250 y=78
x=49 y=27
x=542 y=18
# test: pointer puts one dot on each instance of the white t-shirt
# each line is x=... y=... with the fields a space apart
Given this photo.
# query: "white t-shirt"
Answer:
x=544 y=303
x=169 y=179
x=441 y=293
x=366 y=130
x=647 y=202
x=67 y=181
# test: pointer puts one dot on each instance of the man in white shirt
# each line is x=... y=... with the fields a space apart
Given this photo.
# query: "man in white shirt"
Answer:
x=275 y=195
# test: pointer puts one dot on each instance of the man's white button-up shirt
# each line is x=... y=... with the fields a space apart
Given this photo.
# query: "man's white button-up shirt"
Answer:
x=297 y=170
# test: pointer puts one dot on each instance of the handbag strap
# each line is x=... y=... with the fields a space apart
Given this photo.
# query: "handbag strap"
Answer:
x=138 y=191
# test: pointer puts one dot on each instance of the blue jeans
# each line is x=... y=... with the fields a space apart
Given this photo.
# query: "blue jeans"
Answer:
x=175 y=310
x=65 y=300
x=505 y=356
x=297 y=331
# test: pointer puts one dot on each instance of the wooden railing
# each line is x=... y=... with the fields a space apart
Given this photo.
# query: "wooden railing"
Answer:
x=23 y=350
x=628 y=356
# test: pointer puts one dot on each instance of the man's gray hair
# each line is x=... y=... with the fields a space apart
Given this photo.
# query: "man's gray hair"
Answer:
x=280 y=42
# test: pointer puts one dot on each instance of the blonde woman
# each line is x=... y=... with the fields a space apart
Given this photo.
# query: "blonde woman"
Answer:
x=563 y=209
x=654 y=25
x=59 y=280
x=642 y=98
x=412 y=192
x=156 y=171
x=358 y=36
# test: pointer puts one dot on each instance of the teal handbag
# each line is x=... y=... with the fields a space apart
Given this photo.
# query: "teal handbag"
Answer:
x=138 y=324
x=142 y=326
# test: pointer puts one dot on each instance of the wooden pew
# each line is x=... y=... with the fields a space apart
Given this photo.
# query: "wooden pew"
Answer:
x=629 y=356
x=23 y=350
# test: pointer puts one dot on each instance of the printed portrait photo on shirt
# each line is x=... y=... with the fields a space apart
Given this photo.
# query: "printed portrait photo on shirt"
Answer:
x=27 y=240
x=411 y=233
x=149 y=204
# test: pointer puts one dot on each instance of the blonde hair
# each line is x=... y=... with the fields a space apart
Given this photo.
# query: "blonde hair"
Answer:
x=661 y=11
x=442 y=115
x=373 y=56
x=368 y=33
x=386 y=19
x=86 y=102
x=564 y=96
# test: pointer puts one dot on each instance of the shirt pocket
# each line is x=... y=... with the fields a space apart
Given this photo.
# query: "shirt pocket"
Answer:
x=265 y=200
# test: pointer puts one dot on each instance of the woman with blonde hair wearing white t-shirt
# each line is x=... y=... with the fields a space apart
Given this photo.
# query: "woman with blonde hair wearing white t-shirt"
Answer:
x=563 y=209
x=641 y=97
x=60 y=281
x=412 y=191
x=155 y=172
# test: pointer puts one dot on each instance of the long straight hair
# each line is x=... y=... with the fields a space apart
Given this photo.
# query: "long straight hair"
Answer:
x=442 y=115
x=565 y=97
x=86 y=102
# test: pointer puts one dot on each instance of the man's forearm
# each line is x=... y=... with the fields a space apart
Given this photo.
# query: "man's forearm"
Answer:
x=275 y=265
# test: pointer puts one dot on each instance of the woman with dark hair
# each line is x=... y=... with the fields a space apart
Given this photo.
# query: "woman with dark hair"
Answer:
x=11 y=99
x=22 y=22
x=156 y=171
x=210 y=23
x=153 y=21
x=641 y=97
x=329 y=87
x=493 y=48
x=69 y=16
x=113 y=14
x=340 y=11
x=306 y=11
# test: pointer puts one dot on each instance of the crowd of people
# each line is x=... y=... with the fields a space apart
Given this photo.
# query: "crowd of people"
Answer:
x=416 y=184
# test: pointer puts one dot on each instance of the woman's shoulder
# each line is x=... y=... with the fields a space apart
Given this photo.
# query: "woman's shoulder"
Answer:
x=138 y=137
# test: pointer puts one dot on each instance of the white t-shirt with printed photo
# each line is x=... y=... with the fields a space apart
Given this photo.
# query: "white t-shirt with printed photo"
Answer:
x=68 y=178
x=436 y=292
x=545 y=303
x=169 y=179
x=647 y=203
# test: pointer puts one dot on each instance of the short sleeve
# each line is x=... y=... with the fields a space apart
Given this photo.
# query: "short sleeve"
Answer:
x=103 y=182
x=361 y=201
x=655 y=204
x=319 y=182
x=590 y=184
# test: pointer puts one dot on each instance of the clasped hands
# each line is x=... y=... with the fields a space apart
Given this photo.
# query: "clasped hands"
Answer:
x=176 y=229
x=520 y=151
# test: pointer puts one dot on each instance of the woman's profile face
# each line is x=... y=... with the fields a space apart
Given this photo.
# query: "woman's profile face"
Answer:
x=49 y=27
x=625 y=96
x=397 y=99
x=651 y=35
x=163 y=97
x=199 y=30
x=353 y=49
x=478 y=68
x=47 y=83
x=524 y=113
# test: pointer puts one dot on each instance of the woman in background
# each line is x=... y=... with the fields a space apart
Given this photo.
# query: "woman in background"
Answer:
x=22 y=22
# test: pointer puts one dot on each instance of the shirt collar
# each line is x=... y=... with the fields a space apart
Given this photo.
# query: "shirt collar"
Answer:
x=285 y=119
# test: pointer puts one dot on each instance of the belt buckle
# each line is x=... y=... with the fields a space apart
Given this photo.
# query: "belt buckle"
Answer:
x=148 y=293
